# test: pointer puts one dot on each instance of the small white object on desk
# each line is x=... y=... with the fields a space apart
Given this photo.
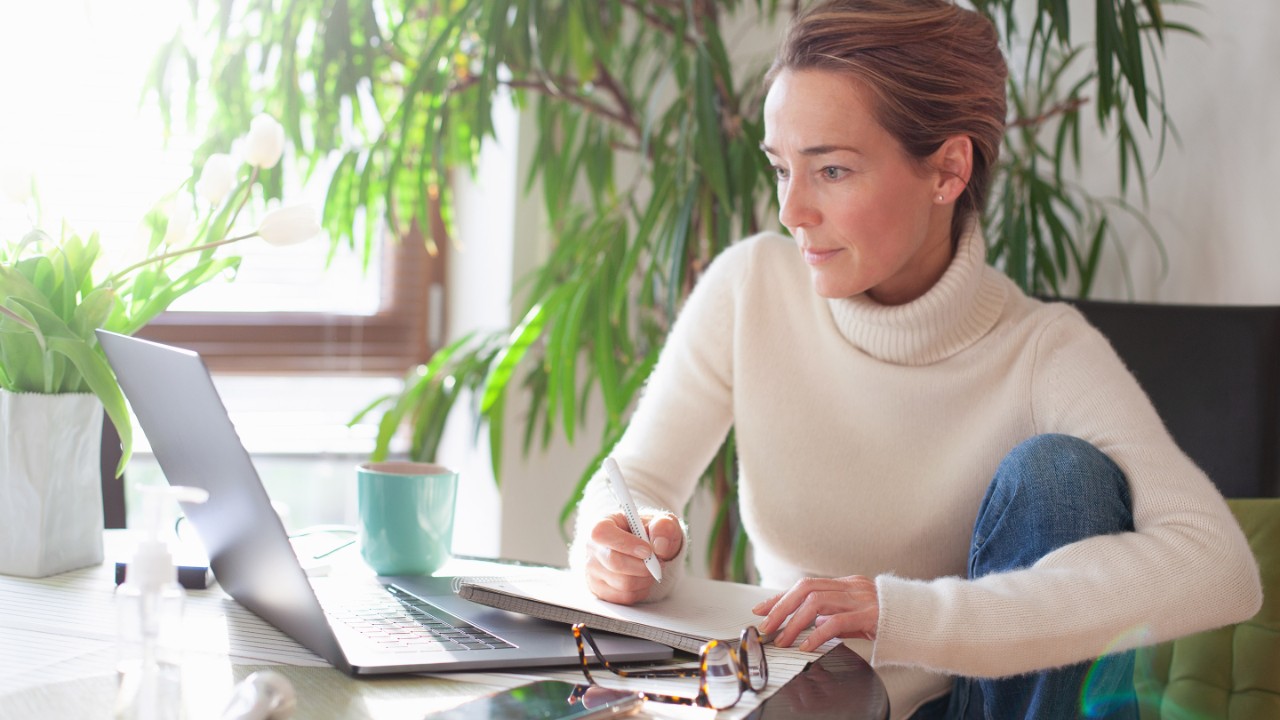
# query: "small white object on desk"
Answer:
x=264 y=695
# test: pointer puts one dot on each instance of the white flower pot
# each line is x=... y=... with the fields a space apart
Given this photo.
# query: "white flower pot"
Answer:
x=50 y=483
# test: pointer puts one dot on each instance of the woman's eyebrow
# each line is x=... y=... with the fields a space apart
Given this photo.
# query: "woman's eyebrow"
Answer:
x=816 y=149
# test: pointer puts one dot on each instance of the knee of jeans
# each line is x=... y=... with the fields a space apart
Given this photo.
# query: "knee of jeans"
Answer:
x=1063 y=472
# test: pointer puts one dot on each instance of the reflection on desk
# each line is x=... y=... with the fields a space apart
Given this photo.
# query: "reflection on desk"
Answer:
x=57 y=660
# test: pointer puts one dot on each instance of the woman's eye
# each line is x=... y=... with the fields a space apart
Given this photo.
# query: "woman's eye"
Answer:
x=832 y=173
x=780 y=173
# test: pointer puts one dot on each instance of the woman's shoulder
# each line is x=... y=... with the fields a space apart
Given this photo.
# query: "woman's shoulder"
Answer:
x=765 y=256
x=1062 y=337
x=763 y=244
x=1045 y=314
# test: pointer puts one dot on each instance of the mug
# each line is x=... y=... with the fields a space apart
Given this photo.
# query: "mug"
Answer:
x=406 y=516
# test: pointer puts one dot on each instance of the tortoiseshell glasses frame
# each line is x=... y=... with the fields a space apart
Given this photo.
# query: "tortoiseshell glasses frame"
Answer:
x=718 y=662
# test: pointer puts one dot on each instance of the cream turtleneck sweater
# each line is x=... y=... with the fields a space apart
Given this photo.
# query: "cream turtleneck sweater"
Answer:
x=867 y=435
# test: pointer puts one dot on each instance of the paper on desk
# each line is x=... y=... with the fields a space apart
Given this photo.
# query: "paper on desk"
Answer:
x=64 y=628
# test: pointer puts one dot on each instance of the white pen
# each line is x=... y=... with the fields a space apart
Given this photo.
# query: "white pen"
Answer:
x=623 y=495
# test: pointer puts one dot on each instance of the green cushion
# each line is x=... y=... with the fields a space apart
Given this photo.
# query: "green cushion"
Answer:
x=1232 y=672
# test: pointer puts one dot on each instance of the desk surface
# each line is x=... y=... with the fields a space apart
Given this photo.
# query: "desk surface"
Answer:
x=57 y=649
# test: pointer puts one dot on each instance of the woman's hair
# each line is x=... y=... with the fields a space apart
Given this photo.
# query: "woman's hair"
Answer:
x=934 y=70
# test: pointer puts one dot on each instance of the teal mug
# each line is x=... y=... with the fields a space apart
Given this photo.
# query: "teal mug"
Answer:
x=406 y=516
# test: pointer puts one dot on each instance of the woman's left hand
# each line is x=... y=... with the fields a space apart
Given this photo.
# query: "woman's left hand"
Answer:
x=846 y=607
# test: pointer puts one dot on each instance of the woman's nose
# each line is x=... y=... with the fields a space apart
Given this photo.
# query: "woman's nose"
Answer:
x=795 y=206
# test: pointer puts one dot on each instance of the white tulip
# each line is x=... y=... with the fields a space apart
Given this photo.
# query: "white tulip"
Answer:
x=15 y=181
x=265 y=142
x=289 y=225
x=216 y=179
x=178 y=230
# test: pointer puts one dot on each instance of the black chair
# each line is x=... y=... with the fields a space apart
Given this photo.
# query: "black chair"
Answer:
x=1213 y=374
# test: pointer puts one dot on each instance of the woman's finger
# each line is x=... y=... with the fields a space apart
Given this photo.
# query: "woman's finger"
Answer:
x=667 y=537
x=848 y=606
x=607 y=592
x=765 y=606
x=847 y=625
x=791 y=600
x=612 y=586
x=612 y=532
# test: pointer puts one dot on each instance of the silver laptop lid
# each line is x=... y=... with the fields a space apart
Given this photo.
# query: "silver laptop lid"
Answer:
x=193 y=439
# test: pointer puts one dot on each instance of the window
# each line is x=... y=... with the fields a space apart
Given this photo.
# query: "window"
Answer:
x=72 y=71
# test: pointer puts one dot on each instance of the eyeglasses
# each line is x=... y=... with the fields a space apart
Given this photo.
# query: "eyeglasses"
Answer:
x=723 y=671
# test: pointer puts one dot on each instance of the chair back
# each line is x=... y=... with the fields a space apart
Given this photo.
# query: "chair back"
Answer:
x=1213 y=374
x=1232 y=672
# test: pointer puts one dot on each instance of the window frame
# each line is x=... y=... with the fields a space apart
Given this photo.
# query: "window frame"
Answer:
x=406 y=329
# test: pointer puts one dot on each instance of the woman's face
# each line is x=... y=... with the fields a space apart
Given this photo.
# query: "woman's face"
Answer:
x=867 y=218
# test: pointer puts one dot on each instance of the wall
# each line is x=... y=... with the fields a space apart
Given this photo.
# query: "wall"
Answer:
x=1214 y=200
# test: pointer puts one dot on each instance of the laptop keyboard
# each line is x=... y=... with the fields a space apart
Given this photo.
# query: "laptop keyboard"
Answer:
x=400 y=622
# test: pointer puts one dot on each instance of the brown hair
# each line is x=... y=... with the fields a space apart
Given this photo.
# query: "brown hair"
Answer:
x=934 y=70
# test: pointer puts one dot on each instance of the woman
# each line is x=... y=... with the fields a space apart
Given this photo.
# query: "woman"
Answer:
x=930 y=460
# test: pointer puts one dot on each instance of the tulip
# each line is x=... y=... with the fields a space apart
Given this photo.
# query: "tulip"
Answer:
x=15 y=182
x=216 y=179
x=265 y=143
x=178 y=230
x=289 y=225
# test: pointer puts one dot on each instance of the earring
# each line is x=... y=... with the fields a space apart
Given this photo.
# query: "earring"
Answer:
x=940 y=198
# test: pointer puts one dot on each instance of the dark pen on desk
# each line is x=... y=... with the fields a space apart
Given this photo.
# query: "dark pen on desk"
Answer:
x=613 y=474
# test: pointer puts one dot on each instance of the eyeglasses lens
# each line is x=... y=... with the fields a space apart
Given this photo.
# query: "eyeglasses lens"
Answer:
x=757 y=669
x=722 y=684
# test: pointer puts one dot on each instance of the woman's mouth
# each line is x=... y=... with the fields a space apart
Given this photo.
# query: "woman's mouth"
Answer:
x=815 y=256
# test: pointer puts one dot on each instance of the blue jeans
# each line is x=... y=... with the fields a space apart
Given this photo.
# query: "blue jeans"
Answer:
x=1049 y=491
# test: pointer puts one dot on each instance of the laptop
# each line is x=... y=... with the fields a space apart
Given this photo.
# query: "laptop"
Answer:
x=346 y=623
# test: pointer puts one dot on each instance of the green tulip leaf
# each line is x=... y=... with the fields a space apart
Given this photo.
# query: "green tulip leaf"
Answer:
x=97 y=373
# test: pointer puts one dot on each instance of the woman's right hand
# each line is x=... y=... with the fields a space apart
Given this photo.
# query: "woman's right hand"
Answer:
x=615 y=562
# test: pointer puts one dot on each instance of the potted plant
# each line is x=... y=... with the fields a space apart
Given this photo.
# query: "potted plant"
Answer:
x=653 y=81
x=55 y=382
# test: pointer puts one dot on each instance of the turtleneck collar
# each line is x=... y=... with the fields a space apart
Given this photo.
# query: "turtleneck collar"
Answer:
x=958 y=310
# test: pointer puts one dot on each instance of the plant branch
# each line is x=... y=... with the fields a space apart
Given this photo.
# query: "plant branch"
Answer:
x=176 y=253
x=625 y=109
x=658 y=22
x=550 y=87
x=1062 y=108
x=248 y=190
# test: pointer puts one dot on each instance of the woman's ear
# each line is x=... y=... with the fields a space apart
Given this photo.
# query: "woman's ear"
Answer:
x=953 y=162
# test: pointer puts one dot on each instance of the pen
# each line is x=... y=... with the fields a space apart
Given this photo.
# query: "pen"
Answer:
x=623 y=495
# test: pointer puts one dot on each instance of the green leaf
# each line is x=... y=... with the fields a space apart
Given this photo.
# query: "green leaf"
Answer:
x=497 y=423
x=93 y=311
x=524 y=335
x=97 y=373
x=710 y=133
x=603 y=348
x=563 y=355
x=24 y=351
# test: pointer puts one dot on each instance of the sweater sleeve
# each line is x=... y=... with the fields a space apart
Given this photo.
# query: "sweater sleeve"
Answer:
x=1186 y=567
x=683 y=415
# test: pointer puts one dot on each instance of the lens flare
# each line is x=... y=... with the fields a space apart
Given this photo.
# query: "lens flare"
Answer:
x=1109 y=684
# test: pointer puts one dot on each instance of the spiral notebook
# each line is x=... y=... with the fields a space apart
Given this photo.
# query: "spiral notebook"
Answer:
x=697 y=611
